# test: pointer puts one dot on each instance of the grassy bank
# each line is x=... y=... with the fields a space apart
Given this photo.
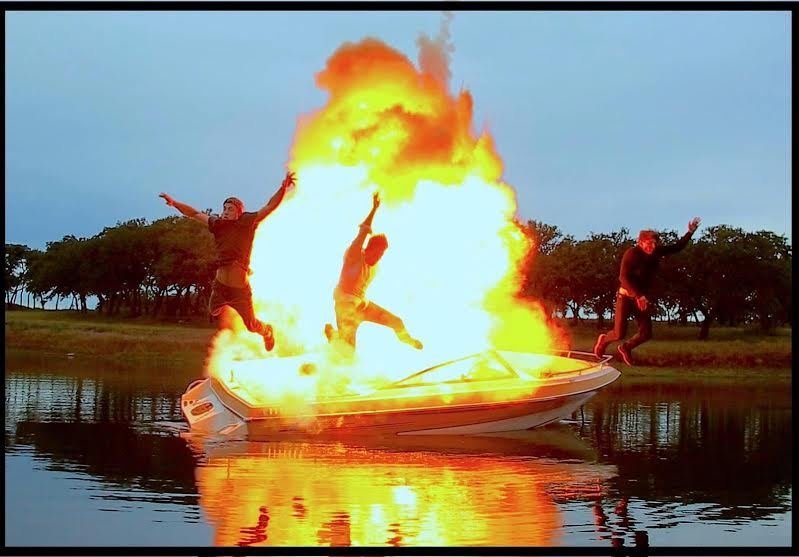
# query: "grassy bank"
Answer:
x=674 y=351
x=69 y=332
x=678 y=346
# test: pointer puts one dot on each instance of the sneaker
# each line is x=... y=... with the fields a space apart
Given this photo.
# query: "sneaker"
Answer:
x=625 y=354
x=269 y=338
x=599 y=346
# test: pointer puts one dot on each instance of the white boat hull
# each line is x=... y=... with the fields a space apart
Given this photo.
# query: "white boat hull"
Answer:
x=212 y=408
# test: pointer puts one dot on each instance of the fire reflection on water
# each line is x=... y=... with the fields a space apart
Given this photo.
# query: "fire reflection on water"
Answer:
x=310 y=494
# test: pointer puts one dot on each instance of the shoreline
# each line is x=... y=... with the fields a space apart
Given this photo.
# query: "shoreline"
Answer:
x=674 y=354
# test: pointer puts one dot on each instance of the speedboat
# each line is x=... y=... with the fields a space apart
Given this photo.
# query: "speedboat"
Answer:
x=488 y=392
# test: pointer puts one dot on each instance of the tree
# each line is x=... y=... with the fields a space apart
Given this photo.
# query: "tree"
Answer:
x=127 y=256
x=670 y=272
x=184 y=259
x=62 y=268
x=40 y=276
x=544 y=268
x=600 y=258
x=769 y=277
x=715 y=277
x=16 y=264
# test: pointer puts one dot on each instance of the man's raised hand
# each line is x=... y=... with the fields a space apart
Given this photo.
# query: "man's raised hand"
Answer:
x=288 y=181
x=694 y=224
x=168 y=199
x=376 y=200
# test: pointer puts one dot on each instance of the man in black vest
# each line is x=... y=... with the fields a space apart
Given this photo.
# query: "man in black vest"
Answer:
x=233 y=234
x=638 y=267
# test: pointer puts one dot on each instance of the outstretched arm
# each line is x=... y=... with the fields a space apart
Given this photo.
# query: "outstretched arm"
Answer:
x=186 y=210
x=366 y=226
x=277 y=198
x=680 y=244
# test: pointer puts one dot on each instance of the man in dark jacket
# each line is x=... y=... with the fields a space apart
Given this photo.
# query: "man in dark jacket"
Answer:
x=233 y=234
x=638 y=267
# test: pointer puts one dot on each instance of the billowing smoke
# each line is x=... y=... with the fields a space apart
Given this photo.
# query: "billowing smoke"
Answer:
x=434 y=54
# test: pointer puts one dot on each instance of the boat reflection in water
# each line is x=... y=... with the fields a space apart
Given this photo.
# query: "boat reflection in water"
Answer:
x=421 y=491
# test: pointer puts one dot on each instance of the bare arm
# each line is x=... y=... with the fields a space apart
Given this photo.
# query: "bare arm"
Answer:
x=277 y=198
x=184 y=209
x=366 y=226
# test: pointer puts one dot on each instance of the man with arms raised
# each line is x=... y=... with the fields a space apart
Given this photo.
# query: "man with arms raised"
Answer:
x=352 y=307
x=638 y=267
x=233 y=234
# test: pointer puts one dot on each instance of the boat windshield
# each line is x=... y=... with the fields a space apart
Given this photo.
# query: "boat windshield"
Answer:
x=479 y=367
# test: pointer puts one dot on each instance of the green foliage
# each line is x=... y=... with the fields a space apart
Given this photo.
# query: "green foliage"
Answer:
x=725 y=275
x=600 y=259
x=675 y=353
x=16 y=256
x=130 y=267
x=731 y=276
x=184 y=254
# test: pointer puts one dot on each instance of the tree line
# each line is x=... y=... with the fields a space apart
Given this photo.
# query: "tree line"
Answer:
x=165 y=269
x=725 y=275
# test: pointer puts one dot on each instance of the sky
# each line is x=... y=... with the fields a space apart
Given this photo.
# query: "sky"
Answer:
x=603 y=120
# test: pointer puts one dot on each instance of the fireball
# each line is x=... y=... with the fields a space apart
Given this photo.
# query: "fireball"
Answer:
x=452 y=270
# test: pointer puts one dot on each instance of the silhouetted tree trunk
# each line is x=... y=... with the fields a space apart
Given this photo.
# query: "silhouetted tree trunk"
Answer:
x=575 y=311
x=159 y=300
x=183 y=302
x=135 y=303
x=704 y=327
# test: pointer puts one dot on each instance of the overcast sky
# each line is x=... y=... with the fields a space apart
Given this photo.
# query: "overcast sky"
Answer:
x=602 y=119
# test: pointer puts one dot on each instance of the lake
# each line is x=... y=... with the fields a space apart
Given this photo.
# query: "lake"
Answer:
x=98 y=455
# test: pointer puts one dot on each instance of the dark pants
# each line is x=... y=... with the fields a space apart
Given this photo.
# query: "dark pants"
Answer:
x=240 y=299
x=350 y=315
x=626 y=306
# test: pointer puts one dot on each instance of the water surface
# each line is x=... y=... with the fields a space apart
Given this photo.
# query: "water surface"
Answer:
x=99 y=455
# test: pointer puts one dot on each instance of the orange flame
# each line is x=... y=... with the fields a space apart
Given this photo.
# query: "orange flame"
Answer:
x=282 y=493
x=452 y=269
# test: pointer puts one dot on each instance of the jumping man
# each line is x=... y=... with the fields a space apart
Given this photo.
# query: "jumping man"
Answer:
x=351 y=306
x=233 y=234
x=638 y=267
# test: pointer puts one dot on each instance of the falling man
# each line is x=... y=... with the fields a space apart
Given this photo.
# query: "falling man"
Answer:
x=351 y=306
x=638 y=266
x=233 y=234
